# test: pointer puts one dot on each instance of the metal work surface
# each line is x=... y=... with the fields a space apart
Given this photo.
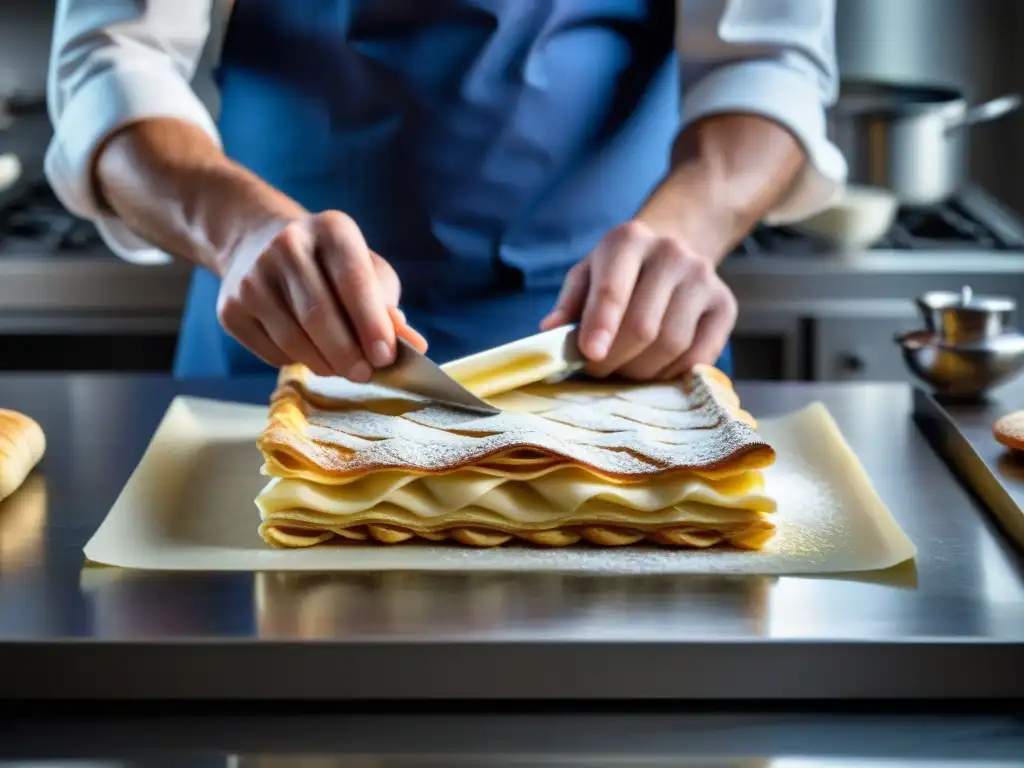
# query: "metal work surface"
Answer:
x=210 y=738
x=952 y=625
x=962 y=434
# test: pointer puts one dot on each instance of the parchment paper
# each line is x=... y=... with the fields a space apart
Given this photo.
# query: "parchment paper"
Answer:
x=189 y=506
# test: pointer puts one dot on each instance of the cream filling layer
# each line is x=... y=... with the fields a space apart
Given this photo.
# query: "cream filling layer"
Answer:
x=556 y=498
x=688 y=514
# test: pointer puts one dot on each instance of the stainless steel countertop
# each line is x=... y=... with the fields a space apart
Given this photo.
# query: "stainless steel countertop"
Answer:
x=961 y=607
x=961 y=432
x=536 y=737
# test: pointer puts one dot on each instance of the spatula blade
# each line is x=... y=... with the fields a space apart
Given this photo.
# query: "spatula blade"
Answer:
x=416 y=373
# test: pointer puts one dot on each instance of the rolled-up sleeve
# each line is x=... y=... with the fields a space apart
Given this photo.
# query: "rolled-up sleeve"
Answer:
x=114 y=63
x=774 y=58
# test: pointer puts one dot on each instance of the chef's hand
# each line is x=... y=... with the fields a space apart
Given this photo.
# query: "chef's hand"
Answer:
x=311 y=291
x=648 y=307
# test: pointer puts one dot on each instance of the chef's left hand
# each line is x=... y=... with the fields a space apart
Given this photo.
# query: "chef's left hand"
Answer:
x=648 y=306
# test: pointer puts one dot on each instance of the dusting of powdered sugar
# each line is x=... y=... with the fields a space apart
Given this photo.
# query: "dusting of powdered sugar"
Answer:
x=622 y=433
x=666 y=397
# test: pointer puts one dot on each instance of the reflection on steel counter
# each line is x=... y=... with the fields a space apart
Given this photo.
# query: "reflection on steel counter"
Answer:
x=23 y=526
x=133 y=604
x=331 y=606
x=390 y=757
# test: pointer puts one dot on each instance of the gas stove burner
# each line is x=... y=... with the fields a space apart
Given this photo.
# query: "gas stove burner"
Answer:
x=33 y=220
x=33 y=224
x=79 y=236
x=946 y=226
x=972 y=221
x=27 y=226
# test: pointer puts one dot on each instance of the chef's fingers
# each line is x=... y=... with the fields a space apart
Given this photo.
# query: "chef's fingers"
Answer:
x=312 y=302
x=387 y=279
x=571 y=298
x=688 y=304
x=346 y=259
x=710 y=336
x=614 y=267
x=643 y=345
x=406 y=331
x=264 y=299
x=250 y=333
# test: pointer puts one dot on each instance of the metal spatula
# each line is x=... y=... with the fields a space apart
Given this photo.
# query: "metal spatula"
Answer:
x=416 y=373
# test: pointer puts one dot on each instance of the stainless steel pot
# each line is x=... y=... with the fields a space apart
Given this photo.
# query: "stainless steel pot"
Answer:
x=962 y=317
x=909 y=139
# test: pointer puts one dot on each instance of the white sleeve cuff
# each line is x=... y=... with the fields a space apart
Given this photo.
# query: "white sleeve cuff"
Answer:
x=108 y=101
x=773 y=90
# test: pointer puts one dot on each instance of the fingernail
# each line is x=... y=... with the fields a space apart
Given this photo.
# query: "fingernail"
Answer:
x=360 y=372
x=599 y=344
x=401 y=316
x=380 y=354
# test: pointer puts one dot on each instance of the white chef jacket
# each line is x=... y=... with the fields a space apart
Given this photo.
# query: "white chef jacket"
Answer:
x=115 y=62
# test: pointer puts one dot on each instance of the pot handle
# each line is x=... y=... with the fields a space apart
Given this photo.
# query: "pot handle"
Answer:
x=984 y=112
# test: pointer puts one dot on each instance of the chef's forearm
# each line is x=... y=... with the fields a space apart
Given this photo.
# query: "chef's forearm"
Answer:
x=172 y=185
x=728 y=171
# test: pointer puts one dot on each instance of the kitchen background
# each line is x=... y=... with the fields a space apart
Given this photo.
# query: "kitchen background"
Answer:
x=806 y=312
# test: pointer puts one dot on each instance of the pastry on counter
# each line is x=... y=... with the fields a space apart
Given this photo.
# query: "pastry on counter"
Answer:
x=678 y=465
x=22 y=445
x=1009 y=430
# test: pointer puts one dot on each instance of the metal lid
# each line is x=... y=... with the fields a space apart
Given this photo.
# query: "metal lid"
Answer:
x=966 y=301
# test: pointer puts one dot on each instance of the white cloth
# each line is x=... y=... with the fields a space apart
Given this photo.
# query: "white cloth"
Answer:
x=120 y=61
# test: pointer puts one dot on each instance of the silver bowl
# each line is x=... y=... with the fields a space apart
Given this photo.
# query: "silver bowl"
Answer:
x=962 y=370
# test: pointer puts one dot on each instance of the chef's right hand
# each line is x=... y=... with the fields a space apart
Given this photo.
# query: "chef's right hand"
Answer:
x=311 y=291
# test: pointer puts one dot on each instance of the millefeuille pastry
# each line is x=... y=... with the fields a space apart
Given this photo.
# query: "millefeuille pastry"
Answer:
x=678 y=465
x=22 y=445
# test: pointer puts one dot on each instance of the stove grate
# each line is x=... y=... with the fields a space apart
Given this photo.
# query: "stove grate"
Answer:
x=33 y=216
x=970 y=221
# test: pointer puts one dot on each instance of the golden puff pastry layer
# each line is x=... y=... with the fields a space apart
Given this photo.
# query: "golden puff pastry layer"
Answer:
x=750 y=536
x=22 y=445
x=603 y=463
x=329 y=429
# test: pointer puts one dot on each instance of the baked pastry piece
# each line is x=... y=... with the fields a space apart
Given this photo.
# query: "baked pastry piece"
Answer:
x=1008 y=430
x=22 y=445
x=610 y=464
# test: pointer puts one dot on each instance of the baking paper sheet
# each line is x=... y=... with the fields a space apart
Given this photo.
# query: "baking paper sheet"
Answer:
x=189 y=507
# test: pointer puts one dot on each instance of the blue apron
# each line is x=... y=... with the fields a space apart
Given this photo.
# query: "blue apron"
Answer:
x=483 y=146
